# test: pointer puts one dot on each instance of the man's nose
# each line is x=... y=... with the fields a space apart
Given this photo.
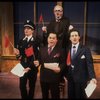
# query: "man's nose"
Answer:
x=57 y=14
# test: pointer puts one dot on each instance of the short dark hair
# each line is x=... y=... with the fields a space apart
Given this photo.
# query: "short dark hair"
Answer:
x=53 y=33
x=74 y=30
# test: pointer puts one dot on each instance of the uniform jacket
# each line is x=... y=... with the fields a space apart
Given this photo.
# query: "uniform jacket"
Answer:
x=83 y=69
x=22 y=46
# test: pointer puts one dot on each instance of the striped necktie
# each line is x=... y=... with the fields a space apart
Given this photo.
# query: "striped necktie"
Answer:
x=49 y=50
x=74 y=51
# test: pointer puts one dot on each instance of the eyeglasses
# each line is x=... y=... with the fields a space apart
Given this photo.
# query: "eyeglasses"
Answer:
x=58 y=11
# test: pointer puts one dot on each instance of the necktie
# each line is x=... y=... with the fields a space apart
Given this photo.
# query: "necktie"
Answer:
x=74 y=51
x=26 y=39
x=49 y=50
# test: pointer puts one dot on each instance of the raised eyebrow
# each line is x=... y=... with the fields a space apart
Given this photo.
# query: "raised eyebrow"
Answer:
x=74 y=35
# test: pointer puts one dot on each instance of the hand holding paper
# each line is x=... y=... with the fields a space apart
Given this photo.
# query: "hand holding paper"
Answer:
x=90 y=88
x=18 y=70
x=52 y=66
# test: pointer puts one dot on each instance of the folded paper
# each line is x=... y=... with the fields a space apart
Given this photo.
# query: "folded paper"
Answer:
x=90 y=89
x=18 y=70
x=51 y=65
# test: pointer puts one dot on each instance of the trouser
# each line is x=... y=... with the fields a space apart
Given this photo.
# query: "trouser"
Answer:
x=76 y=89
x=27 y=90
x=52 y=88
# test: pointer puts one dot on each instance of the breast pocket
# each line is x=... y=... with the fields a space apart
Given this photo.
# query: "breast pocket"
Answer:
x=56 y=57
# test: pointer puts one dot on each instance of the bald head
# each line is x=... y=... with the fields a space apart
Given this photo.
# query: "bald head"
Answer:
x=58 y=7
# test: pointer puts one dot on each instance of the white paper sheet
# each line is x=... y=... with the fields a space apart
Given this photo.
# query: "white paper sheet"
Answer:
x=18 y=70
x=51 y=65
x=90 y=89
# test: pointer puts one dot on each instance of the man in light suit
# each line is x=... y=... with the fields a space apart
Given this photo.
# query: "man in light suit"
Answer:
x=51 y=76
x=80 y=69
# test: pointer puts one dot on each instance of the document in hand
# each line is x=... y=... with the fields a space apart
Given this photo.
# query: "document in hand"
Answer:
x=90 y=89
x=18 y=70
x=51 y=65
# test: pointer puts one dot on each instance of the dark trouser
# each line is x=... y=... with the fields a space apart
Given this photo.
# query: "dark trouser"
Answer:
x=52 y=87
x=27 y=92
x=76 y=90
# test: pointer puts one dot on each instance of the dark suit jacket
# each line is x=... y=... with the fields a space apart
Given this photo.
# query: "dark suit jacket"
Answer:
x=56 y=56
x=28 y=61
x=62 y=31
x=83 y=65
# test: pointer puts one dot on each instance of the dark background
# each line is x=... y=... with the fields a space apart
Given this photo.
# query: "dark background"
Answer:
x=73 y=10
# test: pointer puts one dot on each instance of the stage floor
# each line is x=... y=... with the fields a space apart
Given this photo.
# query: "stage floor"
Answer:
x=9 y=88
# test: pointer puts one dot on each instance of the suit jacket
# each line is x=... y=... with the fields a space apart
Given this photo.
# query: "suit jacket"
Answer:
x=56 y=56
x=27 y=61
x=83 y=65
x=62 y=31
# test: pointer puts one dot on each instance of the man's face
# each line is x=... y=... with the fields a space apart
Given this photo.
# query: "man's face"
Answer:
x=28 y=31
x=58 y=12
x=52 y=39
x=74 y=37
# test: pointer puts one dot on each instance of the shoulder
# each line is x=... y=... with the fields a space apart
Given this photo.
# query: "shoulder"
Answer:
x=52 y=21
x=59 y=48
x=65 y=21
x=42 y=48
x=65 y=18
x=84 y=47
x=21 y=40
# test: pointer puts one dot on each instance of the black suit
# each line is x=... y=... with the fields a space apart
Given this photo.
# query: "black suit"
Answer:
x=61 y=29
x=48 y=78
x=28 y=62
x=81 y=73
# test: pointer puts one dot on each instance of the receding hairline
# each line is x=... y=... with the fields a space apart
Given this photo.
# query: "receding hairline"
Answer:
x=58 y=6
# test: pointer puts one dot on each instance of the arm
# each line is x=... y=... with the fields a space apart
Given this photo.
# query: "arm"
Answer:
x=90 y=66
x=62 y=58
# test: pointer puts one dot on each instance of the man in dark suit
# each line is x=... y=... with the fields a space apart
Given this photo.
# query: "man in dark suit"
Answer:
x=80 y=67
x=59 y=25
x=50 y=75
x=27 y=51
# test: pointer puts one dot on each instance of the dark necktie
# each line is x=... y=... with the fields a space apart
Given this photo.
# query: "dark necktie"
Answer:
x=26 y=39
x=49 y=50
x=74 y=51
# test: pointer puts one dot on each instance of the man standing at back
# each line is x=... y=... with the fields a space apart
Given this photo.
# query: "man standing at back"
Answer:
x=59 y=25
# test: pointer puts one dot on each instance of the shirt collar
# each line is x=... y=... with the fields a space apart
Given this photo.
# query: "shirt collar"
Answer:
x=29 y=37
x=76 y=45
x=52 y=46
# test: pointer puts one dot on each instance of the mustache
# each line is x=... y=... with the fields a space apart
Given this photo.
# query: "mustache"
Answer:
x=58 y=17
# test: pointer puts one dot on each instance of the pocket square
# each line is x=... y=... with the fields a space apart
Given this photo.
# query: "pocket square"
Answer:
x=56 y=55
x=83 y=56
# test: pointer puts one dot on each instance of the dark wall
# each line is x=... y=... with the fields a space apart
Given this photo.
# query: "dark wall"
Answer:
x=73 y=10
x=22 y=11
